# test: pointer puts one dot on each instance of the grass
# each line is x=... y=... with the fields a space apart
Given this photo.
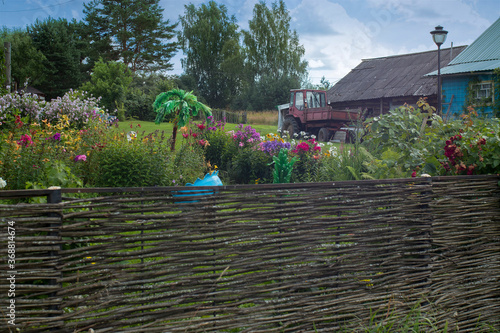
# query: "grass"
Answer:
x=149 y=127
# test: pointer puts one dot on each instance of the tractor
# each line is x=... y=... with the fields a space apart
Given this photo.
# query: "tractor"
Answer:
x=309 y=112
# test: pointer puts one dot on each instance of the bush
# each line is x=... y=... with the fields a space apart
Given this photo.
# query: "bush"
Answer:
x=250 y=166
x=128 y=165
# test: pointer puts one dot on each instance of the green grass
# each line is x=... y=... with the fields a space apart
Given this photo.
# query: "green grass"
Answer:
x=149 y=127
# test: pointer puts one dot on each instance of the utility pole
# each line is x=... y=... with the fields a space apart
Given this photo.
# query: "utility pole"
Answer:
x=8 y=69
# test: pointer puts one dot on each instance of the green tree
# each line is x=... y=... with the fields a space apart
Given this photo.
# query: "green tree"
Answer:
x=142 y=93
x=136 y=30
x=26 y=61
x=110 y=81
x=274 y=56
x=58 y=42
x=210 y=40
x=182 y=105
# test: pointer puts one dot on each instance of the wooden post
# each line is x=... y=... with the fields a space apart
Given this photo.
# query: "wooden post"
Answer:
x=8 y=69
x=55 y=197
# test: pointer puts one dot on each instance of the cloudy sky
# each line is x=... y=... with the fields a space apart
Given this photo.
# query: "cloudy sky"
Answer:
x=336 y=34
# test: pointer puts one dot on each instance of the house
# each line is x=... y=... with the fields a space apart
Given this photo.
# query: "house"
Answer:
x=469 y=79
x=381 y=84
x=32 y=91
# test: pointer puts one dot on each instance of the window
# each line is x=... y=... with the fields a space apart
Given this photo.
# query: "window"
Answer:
x=483 y=91
x=316 y=99
x=299 y=100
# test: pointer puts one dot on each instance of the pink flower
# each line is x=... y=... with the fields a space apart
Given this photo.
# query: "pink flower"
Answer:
x=80 y=158
x=25 y=140
x=414 y=174
x=241 y=144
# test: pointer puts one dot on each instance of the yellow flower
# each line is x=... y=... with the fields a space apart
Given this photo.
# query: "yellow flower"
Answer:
x=184 y=129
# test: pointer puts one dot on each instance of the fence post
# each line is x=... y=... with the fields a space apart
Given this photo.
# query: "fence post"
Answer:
x=55 y=197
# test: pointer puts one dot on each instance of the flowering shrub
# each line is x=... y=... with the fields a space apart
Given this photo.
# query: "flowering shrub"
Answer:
x=27 y=108
x=14 y=106
x=307 y=167
x=273 y=144
x=475 y=150
x=76 y=106
x=246 y=136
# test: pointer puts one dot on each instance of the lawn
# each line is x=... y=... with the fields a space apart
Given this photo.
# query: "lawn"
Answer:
x=149 y=126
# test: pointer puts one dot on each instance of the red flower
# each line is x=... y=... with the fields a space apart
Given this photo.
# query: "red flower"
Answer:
x=201 y=126
x=185 y=135
x=303 y=146
x=18 y=121
x=414 y=174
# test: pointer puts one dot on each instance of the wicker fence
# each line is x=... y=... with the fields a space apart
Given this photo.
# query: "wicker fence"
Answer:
x=263 y=258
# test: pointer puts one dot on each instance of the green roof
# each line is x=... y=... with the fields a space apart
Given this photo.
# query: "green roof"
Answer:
x=480 y=56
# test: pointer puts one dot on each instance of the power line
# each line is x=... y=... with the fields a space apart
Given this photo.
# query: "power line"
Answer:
x=39 y=8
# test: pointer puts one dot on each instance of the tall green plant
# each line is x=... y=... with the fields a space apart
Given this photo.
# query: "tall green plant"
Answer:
x=283 y=167
x=183 y=105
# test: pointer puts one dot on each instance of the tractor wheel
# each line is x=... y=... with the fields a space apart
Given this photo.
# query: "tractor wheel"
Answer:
x=324 y=135
x=291 y=126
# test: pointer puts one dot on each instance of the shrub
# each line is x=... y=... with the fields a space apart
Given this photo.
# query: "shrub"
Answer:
x=122 y=164
x=475 y=148
x=250 y=166
x=307 y=167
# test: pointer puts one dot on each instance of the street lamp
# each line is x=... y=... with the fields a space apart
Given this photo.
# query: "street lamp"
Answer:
x=439 y=36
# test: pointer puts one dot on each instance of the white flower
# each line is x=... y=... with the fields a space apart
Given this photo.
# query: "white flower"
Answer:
x=313 y=136
x=302 y=133
x=131 y=136
x=3 y=183
x=295 y=135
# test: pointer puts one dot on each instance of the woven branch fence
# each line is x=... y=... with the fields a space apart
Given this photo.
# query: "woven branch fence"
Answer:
x=322 y=257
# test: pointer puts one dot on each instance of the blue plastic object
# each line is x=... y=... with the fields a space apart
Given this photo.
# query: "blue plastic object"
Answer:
x=210 y=179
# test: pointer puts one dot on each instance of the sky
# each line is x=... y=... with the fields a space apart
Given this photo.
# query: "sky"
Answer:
x=336 y=35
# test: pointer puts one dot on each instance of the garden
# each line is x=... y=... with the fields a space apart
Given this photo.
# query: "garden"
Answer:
x=72 y=142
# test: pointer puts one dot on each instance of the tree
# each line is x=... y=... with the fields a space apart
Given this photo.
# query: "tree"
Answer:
x=273 y=56
x=210 y=40
x=110 y=81
x=132 y=31
x=182 y=105
x=26 y=61
x=58 y=42
x=142 y=93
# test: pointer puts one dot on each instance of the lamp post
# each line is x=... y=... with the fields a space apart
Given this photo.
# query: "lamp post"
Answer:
x=439 y=36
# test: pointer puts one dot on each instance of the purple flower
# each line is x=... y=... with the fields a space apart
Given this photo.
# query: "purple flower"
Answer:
x=56 y=137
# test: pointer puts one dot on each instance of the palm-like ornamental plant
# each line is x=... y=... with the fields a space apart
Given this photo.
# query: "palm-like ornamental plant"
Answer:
x=182 y=104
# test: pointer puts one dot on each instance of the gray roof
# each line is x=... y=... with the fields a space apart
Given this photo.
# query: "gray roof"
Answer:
x=393 y=76
x=482 y=55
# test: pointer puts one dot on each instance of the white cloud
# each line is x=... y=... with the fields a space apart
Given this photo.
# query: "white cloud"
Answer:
x=333 y=38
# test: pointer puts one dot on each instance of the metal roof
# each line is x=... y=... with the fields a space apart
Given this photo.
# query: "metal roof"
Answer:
x=393 y=76
x=482 y=55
